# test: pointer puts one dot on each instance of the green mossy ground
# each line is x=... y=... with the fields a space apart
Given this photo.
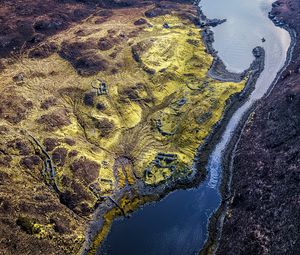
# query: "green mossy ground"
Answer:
x=155 y=109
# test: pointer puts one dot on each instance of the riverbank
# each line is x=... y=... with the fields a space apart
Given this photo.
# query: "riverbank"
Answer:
x=73 y=105
x=159 y=192
x=251 y=197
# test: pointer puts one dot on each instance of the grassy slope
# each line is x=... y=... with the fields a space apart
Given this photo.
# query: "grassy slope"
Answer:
x=101 y=144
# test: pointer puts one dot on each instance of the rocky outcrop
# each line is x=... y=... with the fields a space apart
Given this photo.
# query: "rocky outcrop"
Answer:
x=212 y=22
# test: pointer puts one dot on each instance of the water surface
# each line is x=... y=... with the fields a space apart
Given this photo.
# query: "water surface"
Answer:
x=247 y=23
x=177 y=225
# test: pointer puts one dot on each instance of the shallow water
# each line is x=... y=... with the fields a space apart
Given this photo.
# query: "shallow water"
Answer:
x=177 y=225
x=246 y=25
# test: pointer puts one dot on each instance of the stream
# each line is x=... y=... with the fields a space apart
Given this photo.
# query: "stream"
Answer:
x=177 y=225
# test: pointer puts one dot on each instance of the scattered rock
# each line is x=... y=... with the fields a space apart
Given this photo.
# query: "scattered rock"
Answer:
x=166 y=25
x=19 y=78
x=212 y=22
x=140 y=21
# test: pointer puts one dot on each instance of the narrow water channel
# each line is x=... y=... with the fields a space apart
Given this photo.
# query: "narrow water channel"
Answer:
x=177 y=225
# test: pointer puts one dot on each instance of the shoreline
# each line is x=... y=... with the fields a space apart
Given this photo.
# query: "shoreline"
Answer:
x=141 y=138
x=156 y=194
x=216 y=220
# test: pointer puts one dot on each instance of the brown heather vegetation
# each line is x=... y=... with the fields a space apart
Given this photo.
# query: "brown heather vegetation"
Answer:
x=100 y=104
x=264 y=216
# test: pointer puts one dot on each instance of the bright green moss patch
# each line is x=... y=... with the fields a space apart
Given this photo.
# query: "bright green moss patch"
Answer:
x=154 y=97
x=136 y=102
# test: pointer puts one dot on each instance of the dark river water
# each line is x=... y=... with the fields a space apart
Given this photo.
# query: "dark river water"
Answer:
x=177 y=225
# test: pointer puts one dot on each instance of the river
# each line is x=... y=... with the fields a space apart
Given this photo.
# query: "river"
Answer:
x=177 y=225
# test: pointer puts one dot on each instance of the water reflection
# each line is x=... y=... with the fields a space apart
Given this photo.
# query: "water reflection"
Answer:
x=173 y=226
x=247 y=23
x=177 y=225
